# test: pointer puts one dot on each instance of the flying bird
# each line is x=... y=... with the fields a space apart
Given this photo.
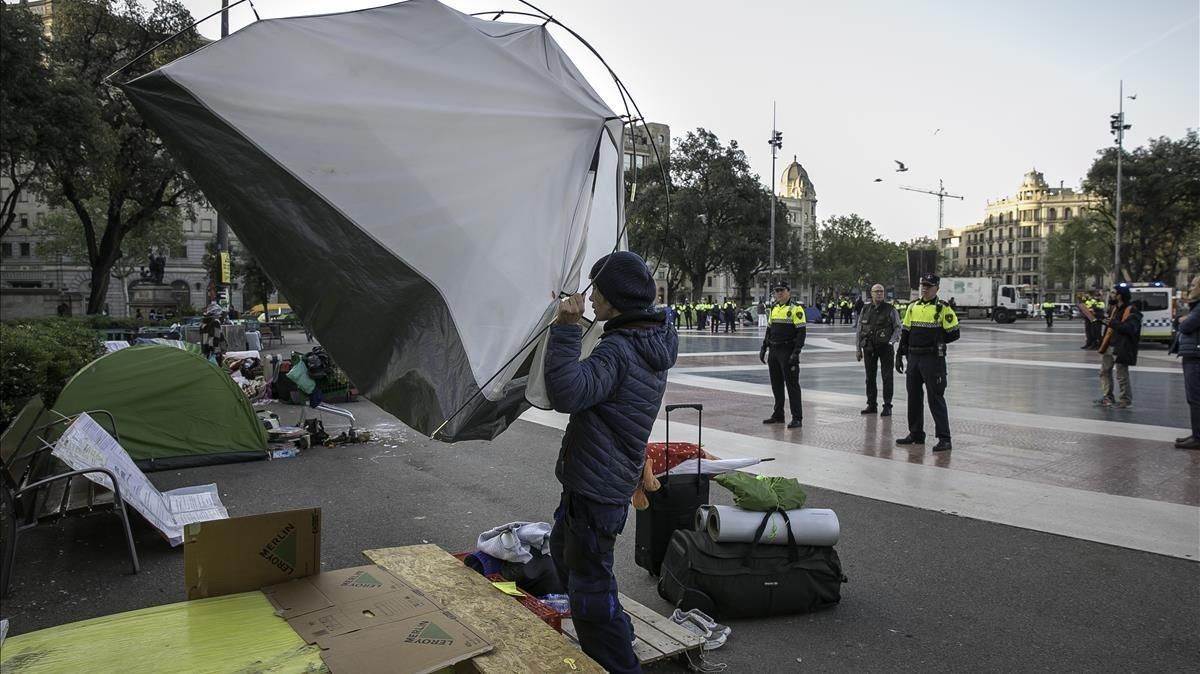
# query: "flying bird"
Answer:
x=1132 y=97
x=902 y=168
x=879 y=180
x=936 y=131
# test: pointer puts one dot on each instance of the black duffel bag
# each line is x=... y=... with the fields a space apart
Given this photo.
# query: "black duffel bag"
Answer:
x=748 y=580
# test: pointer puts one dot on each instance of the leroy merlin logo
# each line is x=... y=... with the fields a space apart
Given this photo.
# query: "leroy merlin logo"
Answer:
x=429 y=634
x=280 y=551
x=362 y=579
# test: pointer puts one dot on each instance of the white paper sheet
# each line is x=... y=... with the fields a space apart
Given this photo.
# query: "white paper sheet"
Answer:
x=85 y=444
x=710 y=466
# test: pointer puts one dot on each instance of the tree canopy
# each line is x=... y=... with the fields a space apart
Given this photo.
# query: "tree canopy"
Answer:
x=101 y=162
x=851 y=256
x=719 y=215
x=1160 y=205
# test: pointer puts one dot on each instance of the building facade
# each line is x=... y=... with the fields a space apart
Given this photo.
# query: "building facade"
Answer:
x=1011 y=242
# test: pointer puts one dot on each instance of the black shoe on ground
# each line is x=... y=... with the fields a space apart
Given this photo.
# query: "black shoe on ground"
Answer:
x=795 y=423
x=910 y=440
x=869 y=410
x=887 y=411
x=1188 y=443
x=773 y=420
x=1183 y=439
x=943 y=445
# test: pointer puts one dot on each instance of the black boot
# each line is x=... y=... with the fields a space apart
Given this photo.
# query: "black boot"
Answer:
x=887 y=410
x=773 y=420
x=910 y=440
x=943 y=445
x=795 y=423
x=869 y=410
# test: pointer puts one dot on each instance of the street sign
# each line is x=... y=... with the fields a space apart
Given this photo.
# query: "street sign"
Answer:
x=226 y=268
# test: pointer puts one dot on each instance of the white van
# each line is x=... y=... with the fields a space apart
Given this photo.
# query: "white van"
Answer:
x=1157 y=304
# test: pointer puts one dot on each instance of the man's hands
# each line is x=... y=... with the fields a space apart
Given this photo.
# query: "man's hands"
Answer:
x=794 y=361
x=858 y=355
x=900 y=363
x=570 y=310
x=762 y=354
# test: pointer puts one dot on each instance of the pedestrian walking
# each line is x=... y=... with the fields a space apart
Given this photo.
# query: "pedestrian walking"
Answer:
x=613 y=397
x=1119 y=348
x=1048 y=310
x=784 y=340
x=929 y=325
x=1187 y=347
x=762 y=314
x=875 y=335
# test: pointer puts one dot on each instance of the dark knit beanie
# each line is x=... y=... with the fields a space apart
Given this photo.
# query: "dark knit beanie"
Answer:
x=625 y=281
x=1122 y=291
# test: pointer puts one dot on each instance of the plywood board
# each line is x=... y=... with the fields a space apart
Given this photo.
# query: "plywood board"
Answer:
x=657 y=637
x=523 y=643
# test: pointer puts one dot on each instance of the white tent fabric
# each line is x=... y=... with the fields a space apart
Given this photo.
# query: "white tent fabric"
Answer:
x=454 y=176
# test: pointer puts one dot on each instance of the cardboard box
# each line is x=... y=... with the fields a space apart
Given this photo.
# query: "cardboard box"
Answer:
x=243 y=554
x=366 y=620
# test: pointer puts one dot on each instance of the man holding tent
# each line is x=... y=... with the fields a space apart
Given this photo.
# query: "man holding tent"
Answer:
x=613 y=397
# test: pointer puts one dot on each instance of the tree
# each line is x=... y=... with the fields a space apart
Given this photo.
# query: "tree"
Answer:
x=61 y=234
x=1160 y=205
x=713 y=198
x=1084 y=242
x=257 y=287
x=31 y=104
x=850 y=255
x=745 y=246
x=105 y=153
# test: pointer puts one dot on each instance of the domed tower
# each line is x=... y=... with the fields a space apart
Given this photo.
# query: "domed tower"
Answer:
x=797 y=191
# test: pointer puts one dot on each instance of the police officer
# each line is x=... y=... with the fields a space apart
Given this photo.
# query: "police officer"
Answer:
x=1048 y=309
x=786 y=328
x=875 y=334
x=929 y=325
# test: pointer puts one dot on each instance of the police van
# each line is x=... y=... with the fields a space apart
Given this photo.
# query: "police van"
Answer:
x=1156 y=301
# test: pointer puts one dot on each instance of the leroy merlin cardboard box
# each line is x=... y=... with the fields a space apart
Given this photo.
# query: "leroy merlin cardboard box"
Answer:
x=242 y=554
x=366 y=620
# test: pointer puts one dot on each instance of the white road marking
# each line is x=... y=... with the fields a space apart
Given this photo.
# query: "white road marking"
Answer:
x=1140 y=524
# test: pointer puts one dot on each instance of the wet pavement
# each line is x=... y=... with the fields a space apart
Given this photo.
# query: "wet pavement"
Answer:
x=1051 y=532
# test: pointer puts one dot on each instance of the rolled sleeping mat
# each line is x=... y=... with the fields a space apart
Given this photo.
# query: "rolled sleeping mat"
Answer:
x=703 y=514
x=810 y=526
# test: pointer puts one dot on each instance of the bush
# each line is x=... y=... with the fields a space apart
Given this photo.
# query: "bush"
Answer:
x=37 y=357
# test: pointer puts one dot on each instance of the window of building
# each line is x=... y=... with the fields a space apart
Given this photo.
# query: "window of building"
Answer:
x=1037 y=231
x=1037 y=246
x=1026 y=232
x=39 y=218
x=26 y=250
x=1066 y=214
x=1035 y=263
x=1010 y=264
x=1010 y=232
x=708 y=282
x=23 y=197
x=180 y=252
x=1051 y=230
x=5 y=250
x=206 y=225
x=989 y=264
x=1001 y=219
x=24 y=222
x=25 y=284
x=1010 y=247
x=1008 y=279
x=1051 y=214
x=189 y=226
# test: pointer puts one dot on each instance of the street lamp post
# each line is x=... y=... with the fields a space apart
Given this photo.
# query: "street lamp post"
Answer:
x=1118 y=127
x=776 y=143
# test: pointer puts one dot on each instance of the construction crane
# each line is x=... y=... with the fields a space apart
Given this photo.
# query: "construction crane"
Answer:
x=941 y=194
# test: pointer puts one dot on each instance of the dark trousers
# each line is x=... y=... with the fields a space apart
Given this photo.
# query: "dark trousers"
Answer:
x=581 y=545
x=1049 y=319
x=687 y=319
x=1191 y=387
x=782 y=377
x=883 y=359
x=928 y=371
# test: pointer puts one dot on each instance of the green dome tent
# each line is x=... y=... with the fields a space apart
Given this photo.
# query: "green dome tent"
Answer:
x=173 y=408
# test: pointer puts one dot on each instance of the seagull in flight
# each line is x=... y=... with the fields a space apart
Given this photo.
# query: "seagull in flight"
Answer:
x=879 y=180
x=902 y=168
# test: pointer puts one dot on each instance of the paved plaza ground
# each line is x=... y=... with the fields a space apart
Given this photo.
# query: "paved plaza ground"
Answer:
x=1055 y=536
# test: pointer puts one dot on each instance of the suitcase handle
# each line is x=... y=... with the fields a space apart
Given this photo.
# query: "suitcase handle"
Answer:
x=699 y=407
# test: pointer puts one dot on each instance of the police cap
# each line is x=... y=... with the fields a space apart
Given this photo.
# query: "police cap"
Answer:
x=930 y=280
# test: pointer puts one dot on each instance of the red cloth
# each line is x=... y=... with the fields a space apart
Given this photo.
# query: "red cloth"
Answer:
x=656 y=454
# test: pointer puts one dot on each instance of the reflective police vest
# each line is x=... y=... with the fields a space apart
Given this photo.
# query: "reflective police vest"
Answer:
x=1047 y=306
x=786 y=322
x=928 y=324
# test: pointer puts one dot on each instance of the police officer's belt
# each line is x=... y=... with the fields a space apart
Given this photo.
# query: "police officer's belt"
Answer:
x=782 y=342
x=923 y=350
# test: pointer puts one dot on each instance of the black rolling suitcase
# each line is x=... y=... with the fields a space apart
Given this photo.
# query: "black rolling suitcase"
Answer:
x=672 y=507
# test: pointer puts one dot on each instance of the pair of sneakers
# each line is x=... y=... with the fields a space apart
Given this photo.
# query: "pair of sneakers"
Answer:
x=699 y=623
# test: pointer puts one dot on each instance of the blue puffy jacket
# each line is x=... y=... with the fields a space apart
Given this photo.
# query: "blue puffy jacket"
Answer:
x=1187 y=339
x=613 y=397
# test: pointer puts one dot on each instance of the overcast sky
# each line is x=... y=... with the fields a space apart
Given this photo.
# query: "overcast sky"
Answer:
x=1011 y=85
